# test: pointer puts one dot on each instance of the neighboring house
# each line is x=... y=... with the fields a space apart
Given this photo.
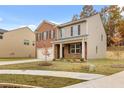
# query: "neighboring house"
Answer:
x=84 y=38
x=17 y=43
x=45 y=34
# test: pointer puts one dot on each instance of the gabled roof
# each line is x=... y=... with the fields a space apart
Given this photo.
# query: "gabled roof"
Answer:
x=3 y=31
x=17 y=29
x=44 y=21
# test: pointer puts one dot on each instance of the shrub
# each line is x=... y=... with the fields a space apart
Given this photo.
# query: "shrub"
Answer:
x=54 y=59
x=82 y=59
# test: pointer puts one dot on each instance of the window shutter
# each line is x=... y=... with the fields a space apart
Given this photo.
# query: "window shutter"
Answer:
x=79 y=30
x=71 y=31
x=50 y=34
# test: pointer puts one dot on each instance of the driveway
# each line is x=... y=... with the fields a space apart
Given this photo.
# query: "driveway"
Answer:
x=17 y=61
x=75 y=75
x=112 y=81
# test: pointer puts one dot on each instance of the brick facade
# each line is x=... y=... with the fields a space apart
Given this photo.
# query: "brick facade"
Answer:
x=43 y=27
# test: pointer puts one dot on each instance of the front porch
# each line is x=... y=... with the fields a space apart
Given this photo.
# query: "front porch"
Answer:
x=70 y=50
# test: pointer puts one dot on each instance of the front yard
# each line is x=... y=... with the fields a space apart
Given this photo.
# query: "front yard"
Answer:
x=102 y=66
x=39 y=81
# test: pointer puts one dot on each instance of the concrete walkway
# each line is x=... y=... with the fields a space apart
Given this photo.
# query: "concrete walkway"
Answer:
x=75 y=75
x=18 y=61
x=112 y=81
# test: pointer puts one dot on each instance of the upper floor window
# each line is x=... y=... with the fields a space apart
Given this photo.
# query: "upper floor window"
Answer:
x=45 y=35
x=75 y=30
x=50 y=34
x=63 y=33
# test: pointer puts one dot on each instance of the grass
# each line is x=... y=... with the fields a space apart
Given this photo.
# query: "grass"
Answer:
x=102 y=66
x=40 y=81
x=14 y=59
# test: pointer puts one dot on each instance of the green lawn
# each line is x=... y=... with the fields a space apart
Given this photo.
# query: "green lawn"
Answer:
x=40 y=81
x=14 y=59
x=102 y=66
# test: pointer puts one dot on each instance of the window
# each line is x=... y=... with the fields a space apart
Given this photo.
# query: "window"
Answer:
x=26 y=42
x=45 y=35
x=102 y=37
x=72 y=48
x=71 y=31
x=75 y=48
x=63 y=33
x=79 y=30
x=75 y=30
x=54 y=34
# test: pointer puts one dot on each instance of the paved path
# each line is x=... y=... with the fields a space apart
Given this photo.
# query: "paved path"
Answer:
x=17 y=61
x=112 y=81
x=75 y=75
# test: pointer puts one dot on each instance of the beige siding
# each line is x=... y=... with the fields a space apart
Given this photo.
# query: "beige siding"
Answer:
x=68 y=30
x=12 y=44
x=95 y=30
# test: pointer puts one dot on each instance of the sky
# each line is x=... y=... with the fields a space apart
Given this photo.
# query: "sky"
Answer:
x=12 y=17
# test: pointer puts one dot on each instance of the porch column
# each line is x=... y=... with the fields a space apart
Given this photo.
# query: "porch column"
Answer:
x=83 y=50
x=60 y=50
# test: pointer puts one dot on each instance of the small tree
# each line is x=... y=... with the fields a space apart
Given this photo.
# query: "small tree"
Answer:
x=45 y=51
x=116 y=39
x=87 y=11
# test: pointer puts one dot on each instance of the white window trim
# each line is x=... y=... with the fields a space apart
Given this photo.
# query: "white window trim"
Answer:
x=75 y=48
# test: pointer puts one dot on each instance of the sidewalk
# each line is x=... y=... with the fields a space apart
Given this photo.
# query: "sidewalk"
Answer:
x=18 y=61
x=112 y=81
x=75 y=75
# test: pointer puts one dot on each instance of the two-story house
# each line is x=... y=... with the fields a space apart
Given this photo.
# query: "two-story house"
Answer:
x=17 y=43
x=84 y=38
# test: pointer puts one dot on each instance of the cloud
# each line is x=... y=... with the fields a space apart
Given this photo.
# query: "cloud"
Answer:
x=1 y=19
